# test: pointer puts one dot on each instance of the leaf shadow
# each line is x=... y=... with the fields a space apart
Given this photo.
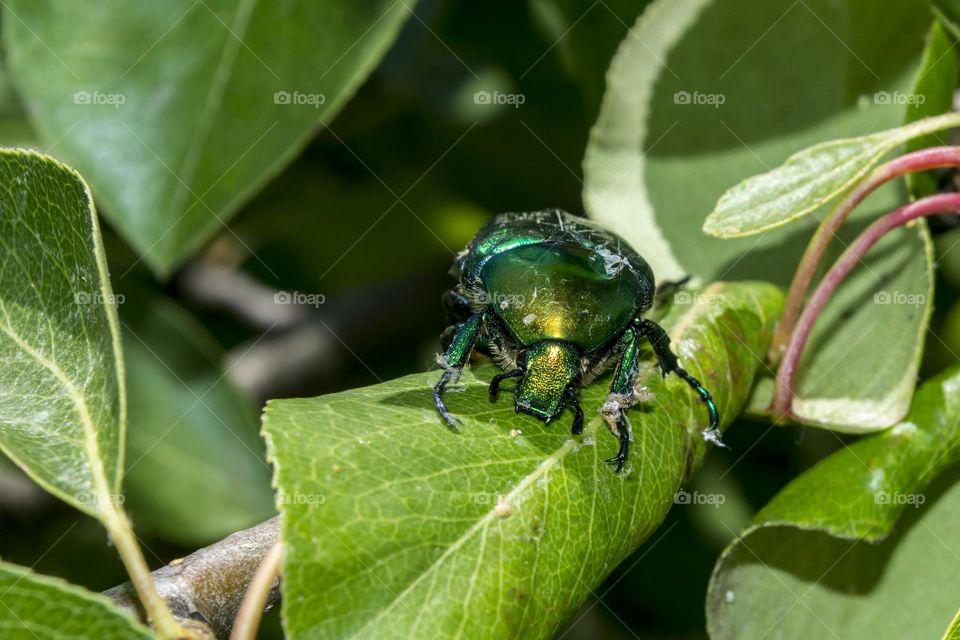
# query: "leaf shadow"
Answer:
x=471 y=403
x=843 y=566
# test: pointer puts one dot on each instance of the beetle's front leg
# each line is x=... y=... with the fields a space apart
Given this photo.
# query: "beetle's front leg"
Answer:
x=453 y=360
x=622 y=396
x=660 y=341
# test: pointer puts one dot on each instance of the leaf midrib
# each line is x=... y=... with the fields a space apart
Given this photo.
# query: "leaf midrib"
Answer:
x=487 y=518
x=95 y=462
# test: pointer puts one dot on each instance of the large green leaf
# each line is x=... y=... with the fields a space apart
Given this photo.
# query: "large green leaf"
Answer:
x=396 y=527
x=178 y=111
x=705 y=93
x=807 y=564
x=61 y=391
x=35 y=607
x=191 y=432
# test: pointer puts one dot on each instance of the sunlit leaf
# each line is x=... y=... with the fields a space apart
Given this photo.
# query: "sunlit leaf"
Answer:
x=809 y=179
x=62 y=401
x=396 y=527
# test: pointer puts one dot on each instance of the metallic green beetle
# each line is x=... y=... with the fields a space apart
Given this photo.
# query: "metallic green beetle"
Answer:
x=556 y=299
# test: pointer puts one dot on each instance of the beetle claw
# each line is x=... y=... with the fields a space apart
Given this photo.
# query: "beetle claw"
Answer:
x=452 y=421
x=617 y=460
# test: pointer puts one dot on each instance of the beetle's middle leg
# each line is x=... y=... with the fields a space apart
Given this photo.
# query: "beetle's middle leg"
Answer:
x=622 y=396
x=464 y=337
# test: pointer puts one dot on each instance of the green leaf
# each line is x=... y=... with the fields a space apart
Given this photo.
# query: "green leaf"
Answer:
x=932 y=94
x=810 y=179
x=62 y=402
x=179 y=111
x=393 y=525
x=705 y=93
x=191 y=432
x=36 y=606
x=806 y=561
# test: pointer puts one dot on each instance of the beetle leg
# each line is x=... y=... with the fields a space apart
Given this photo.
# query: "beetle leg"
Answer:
x=622 y=396
x=660 y=342
x=456 y=309
x=454 y=359
x=438 y=390
x=500 y=377
x=574 y=402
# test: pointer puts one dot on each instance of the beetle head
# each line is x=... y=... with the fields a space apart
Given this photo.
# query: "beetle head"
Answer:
x=549 y=367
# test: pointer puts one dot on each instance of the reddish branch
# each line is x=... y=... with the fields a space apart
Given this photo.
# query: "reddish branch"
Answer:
x=931 y=158
x=932 y=205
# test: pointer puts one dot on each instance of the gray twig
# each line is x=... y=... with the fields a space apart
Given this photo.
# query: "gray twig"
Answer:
x=208 y=585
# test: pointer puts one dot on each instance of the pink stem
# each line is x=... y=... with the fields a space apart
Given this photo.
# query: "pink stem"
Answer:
x=930 y=158
x=783 y=391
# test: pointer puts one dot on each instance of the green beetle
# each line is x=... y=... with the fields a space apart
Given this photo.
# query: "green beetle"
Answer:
x=556 y=300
